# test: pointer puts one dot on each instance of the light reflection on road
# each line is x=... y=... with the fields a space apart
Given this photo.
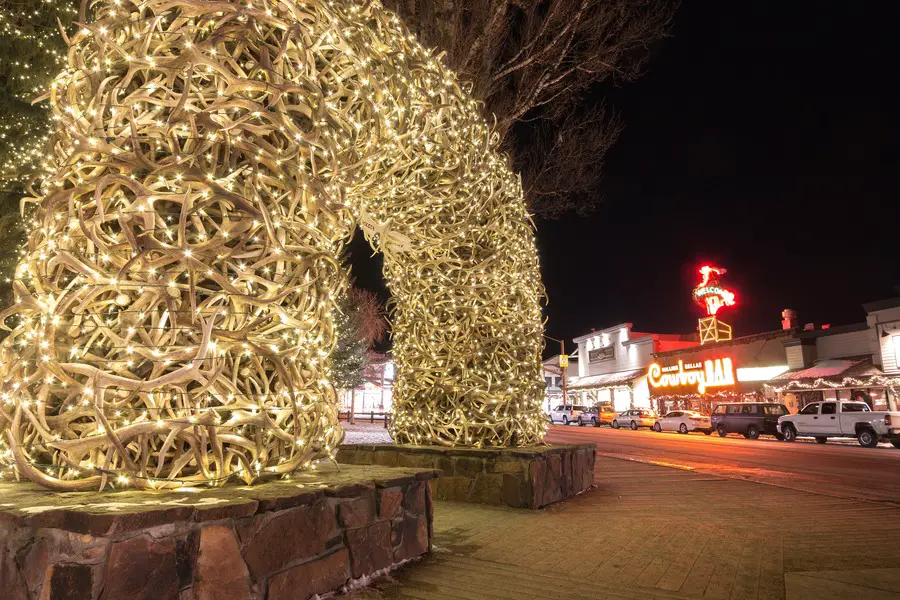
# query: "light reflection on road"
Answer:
x=843 y=470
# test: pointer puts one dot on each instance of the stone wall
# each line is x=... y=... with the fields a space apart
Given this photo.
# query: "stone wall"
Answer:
x=530 y=477
x=277 y=541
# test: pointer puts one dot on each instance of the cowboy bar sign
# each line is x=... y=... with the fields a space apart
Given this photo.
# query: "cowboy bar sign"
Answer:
x=693 y=376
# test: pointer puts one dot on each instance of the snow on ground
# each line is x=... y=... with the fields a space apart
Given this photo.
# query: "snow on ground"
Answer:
x=365 y=433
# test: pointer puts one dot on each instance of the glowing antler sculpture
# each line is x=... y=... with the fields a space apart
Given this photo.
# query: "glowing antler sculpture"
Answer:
x=212 y=158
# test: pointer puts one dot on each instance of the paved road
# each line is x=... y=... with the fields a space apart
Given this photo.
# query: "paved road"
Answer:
x=844 y=470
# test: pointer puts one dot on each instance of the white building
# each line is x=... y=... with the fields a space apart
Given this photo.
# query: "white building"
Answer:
x=858 y=362
x=612 y=365
x=376 y=394
x=883 y=319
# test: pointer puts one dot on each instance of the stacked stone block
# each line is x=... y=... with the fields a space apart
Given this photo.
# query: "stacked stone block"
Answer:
x=277 y=541
x=530 y=477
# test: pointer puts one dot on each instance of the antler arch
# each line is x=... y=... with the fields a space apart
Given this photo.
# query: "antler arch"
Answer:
x=176 y=299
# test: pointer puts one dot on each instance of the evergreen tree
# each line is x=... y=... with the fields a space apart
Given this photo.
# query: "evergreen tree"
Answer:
x=32 y=52
x=359 y=322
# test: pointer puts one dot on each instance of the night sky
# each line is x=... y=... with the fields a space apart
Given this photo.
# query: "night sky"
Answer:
x=762 y=138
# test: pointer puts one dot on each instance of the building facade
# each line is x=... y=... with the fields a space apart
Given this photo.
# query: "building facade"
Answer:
x=612 y=364
x=855 y=362
x=376 y=394
x=700 y=377
x=793 y=366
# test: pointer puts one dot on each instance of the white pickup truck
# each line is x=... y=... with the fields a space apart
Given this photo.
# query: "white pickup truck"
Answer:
x=823 y=420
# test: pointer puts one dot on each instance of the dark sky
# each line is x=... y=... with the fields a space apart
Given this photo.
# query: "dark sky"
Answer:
x=764 y=137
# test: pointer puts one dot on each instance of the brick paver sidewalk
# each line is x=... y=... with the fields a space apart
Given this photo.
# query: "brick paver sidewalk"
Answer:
x=652 y=531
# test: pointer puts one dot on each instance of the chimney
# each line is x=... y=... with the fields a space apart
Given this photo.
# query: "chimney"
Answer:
x=788 y=319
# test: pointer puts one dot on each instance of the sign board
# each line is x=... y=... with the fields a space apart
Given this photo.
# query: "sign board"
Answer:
x=709 y=293
x=600 y=354
x=693 y=377
x=564 y=360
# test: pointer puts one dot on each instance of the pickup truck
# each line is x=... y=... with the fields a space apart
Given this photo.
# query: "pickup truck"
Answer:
x=823 y=420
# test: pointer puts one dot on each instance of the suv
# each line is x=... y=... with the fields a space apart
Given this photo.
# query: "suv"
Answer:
x=597 y=415
x=566 y=413
x=638 y=417
x=750 y=419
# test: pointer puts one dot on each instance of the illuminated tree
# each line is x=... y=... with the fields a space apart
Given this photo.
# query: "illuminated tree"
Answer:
x=174 y=310
x=32 y=52
x=359 y=323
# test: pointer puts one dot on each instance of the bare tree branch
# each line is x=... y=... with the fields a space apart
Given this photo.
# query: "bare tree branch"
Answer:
x=564 y=160
x=532 y=63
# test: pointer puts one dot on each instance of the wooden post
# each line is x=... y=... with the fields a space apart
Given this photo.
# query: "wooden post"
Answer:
x=352 y=418
x=381 y=391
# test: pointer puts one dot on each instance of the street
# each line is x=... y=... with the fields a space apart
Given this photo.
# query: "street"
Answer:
x=840 y=468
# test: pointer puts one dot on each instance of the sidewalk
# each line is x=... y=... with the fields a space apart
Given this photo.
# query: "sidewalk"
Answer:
x=652 y=531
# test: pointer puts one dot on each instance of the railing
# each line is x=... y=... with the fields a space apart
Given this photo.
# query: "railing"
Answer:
x=370 y=416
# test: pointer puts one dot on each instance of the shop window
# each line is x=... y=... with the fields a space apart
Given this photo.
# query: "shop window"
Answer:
x=830 y=395
x=879 y=399
x=807 y=397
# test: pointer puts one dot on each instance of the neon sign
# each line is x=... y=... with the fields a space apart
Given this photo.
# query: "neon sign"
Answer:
x=712 y=373
x=709 y=294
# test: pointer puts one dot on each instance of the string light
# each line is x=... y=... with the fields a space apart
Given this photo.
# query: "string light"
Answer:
x=846 y=382
x=177 y=295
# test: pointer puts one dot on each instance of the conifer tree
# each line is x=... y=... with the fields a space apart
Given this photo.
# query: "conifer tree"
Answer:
x=360 y=323
x=32 y=52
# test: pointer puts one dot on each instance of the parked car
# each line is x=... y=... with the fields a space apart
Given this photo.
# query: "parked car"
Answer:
x=683 y=421
x=566 y=413
x=638 y=417
x=823 y=420
x=750 y=419
x=597 y=415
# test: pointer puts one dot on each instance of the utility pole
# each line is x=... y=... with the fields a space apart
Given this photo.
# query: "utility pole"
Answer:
x=562 y=369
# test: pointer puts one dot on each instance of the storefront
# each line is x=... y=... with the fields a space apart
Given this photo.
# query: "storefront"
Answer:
x=836 y=379
x=375 y=396
x=702 y=377
x=617 y=389
x=612 y=365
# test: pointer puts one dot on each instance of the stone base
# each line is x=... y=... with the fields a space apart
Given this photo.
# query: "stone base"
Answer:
x=282 y=540
x=529 y=477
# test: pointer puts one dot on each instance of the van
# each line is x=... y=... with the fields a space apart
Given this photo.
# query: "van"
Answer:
x=750 y=419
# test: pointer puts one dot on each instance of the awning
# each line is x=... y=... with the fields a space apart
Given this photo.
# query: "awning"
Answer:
x=605 y=380
x=832 y=373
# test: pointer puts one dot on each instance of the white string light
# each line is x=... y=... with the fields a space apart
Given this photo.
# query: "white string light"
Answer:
x=176 y=299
